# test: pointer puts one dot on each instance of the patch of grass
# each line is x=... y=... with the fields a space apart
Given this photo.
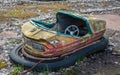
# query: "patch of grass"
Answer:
x=15 y=41
x=72 y=71
x=65 y=72
x=46 y=71
x=2 y=21
x=17 y=69
x=45 y=8
x=12 y=42
x=80 y=59
x=83 y=6
x=18 y=13
x=21 y=14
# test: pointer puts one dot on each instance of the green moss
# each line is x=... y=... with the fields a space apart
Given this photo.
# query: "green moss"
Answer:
x=3 y=64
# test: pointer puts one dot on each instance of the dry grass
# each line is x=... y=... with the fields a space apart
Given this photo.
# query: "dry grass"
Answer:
x=21 y=14
x=2 y=21
x=18 y=13
x=45 y=8
x=83 y=7
x=105 y=3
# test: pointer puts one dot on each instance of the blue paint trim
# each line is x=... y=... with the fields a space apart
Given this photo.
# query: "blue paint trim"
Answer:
x=88 y=26
x=49 y=25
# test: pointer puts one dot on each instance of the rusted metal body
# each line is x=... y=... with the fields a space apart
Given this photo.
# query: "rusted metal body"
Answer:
x=69 y=34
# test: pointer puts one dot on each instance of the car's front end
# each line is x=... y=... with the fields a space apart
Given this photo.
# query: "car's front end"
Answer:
x=36 y=40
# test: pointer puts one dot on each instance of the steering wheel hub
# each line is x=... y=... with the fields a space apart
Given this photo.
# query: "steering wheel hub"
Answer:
x=73 y=30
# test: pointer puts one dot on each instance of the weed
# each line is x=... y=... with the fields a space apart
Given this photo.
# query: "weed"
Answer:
x=15 y=41
x=46 y=71
x=80 y=59
x=68 y=72
x=17 y=68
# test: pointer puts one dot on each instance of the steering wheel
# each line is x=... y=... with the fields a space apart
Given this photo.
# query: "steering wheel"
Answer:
x=72 y=30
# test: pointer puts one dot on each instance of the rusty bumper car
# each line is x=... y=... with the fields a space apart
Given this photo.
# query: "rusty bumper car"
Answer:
x=60 y=44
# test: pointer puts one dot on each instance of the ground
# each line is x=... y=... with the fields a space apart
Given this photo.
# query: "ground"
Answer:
x=103 y=63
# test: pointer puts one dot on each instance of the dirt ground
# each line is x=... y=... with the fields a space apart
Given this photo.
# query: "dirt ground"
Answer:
x=113 y=21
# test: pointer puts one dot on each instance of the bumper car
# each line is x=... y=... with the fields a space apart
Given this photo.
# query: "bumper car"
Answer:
x=60 y=44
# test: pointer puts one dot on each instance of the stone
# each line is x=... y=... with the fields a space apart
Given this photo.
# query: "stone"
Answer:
x=2 y=42
x=8 y=34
